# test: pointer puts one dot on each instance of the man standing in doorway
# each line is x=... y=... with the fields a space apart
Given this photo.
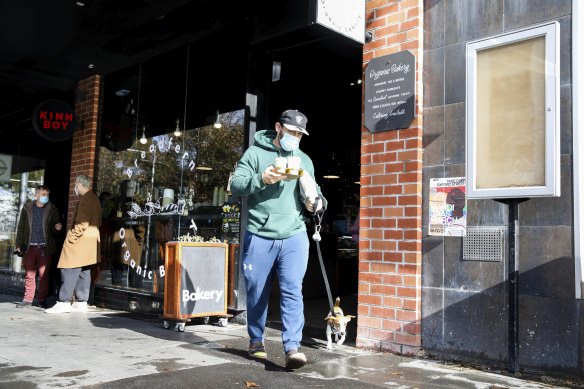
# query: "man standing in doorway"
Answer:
x=38 y=221
x=276 y=240
x=80 y=250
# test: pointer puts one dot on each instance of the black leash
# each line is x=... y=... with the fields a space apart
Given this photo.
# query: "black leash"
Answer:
x=317 y=216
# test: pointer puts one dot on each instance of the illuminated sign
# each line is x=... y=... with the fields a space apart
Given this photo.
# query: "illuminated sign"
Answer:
x=54 y=120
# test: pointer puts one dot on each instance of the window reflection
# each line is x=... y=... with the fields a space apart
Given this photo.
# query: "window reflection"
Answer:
x=155 y=192
x=17 y=187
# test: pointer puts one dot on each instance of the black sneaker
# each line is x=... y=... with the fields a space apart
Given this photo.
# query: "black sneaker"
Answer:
x=295 y=360
x=43 y=304
x=24 y=304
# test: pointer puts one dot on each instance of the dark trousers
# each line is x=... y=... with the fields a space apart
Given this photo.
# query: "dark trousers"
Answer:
x=75 y=280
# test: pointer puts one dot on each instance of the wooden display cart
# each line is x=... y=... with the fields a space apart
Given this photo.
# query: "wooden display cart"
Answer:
x=195 y=284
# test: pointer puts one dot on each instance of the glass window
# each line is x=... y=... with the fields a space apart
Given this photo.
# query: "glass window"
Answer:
x=163 y=187
x=18 y=178
x=513 y=115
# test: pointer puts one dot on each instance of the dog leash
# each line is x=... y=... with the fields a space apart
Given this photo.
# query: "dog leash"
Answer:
x=317 y=216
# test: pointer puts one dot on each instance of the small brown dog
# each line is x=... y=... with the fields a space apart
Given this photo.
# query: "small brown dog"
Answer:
x=337 y=325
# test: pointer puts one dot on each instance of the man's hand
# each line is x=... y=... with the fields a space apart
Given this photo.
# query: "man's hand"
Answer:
x=309 y=203
x=270 y=177
x=58 y=227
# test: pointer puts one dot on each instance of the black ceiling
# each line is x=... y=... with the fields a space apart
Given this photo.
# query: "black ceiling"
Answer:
x=47 y=46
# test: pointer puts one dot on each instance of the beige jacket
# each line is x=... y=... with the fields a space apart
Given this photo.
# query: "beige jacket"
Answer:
x=81 y=247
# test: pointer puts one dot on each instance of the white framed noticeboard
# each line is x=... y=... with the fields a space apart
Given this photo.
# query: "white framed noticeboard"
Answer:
x=513 y=115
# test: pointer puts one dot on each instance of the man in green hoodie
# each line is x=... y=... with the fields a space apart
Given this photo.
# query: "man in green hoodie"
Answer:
x=276 y=240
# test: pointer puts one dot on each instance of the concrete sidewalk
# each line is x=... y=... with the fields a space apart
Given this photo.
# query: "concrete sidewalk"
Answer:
x=110 y=349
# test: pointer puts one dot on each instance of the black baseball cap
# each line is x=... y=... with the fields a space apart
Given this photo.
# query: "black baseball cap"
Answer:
x=294 y=120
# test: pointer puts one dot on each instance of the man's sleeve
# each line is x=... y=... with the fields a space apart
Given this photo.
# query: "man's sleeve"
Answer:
x=54 y=218
x=247 y=178
x=81 y=222
x=20 y=238
x=318 y=190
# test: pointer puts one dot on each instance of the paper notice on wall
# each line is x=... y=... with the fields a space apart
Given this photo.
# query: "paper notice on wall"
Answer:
x=5 y=167
x=447 y=206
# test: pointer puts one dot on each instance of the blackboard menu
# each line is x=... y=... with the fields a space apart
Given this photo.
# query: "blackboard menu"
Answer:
x=390 y=92
x=203 y=279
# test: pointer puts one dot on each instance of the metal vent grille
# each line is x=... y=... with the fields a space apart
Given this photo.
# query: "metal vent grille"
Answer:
x=484 y=244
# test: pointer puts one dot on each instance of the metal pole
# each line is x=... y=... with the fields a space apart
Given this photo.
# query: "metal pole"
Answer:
x=513 y=282
x=513 y=272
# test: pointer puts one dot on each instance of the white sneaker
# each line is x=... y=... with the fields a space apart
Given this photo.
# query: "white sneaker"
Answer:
x=79 y=306
x=60 y=307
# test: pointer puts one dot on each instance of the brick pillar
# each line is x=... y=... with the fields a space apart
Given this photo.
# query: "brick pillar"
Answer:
x=390 y=239
x=84 y=150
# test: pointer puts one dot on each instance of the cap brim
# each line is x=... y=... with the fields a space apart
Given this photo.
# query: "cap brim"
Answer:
x=295 y=128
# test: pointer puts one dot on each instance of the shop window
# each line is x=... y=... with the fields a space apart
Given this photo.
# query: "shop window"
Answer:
x=19 y=177
x=513 y=114
x=161 y=188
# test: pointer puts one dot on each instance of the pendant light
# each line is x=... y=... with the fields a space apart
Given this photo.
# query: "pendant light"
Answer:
x=177 y=132
x=143 y=140
x=217 y=123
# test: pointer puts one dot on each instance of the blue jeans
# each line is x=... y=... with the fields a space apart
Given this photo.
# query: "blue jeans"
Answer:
x=288 y=258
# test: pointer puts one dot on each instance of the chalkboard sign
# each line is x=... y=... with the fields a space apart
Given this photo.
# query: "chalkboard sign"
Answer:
x=196 y=280
x=390 y=92
x=203 y=280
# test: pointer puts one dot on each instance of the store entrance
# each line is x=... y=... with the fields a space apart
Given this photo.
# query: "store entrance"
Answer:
x=322 y=80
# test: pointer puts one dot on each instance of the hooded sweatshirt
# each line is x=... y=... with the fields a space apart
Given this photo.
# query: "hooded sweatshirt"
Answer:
x=274 y=211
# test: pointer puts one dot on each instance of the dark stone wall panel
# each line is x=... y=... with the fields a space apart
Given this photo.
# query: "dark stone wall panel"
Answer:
x=565 y=55
x=548 y=333
x=472 y=276
x=454 y=133
x=521 y=13
x=434 y=24
x=466 y=20
x=463 y=332
x=432 y=319
x=455 y=73
x=434 y=78
x=486 y=213
x=433 y=261
x=566 y=119
x=546 y=265
x=551 y=211
x=433 y=137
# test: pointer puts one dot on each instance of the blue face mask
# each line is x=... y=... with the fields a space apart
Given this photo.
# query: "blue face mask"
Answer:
x=44 y=199
x=289 y=142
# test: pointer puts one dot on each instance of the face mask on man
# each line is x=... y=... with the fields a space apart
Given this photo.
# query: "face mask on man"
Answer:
x=289 y=142
x=44 y=199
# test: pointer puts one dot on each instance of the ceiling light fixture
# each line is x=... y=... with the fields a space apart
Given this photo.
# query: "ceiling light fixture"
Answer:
x=80 y=4
x=331 y=177
x=217 y=123
x=143 y=140
x=177 y=129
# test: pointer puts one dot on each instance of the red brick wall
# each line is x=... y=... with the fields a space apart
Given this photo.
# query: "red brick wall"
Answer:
x=85 y=139
x=390 y=239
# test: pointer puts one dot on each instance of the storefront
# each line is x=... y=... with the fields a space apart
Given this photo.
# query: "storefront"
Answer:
x=161 y=134
x=174 y=126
